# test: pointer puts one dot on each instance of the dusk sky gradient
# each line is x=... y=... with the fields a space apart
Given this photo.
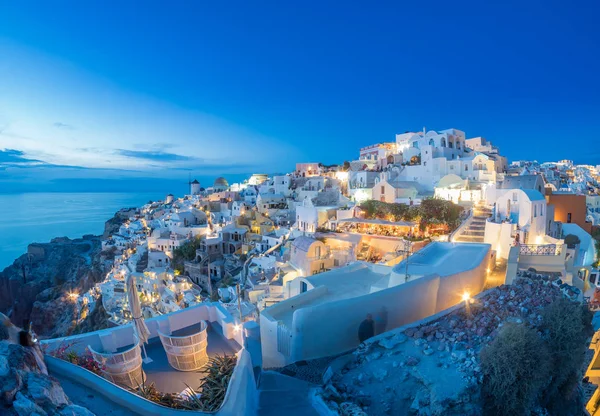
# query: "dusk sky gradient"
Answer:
x=106 y=92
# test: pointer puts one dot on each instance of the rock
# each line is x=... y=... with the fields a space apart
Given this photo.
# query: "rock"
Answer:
x=351 y=409
x=46 y=391
x=421 y=400
x=412 y=361
x=10 y=384
x=25 y=407
x=4 y=367
x=391 y=342
x=374 y=356
x=380 y=374
x=428 y=351
x=331 y=392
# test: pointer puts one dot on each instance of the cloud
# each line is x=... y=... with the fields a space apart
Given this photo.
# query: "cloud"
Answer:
x=64 y=126
x=154 y=155
x=13 y=157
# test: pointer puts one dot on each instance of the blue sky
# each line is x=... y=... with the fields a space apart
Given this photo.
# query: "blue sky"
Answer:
x=105 y=92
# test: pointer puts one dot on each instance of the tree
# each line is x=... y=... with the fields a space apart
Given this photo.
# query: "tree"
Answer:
x=572 y=240
x=515 y=368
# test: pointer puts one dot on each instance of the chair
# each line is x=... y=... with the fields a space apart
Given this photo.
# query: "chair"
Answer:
x=186 y=348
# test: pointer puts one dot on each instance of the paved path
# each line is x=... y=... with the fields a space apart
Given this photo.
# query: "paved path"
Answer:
x=94 y=402
x=283 y=395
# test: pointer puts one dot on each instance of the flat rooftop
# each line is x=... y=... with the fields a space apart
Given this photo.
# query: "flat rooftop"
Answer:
x=444 y=259
x=346 y=282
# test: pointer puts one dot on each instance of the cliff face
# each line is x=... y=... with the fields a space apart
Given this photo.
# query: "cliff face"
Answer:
x=112 y=226
x=35 y=287
x=37 y=284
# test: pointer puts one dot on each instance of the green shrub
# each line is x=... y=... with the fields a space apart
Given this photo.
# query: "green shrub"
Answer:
x=515 y=368
x=566 y=326
x=572 y=240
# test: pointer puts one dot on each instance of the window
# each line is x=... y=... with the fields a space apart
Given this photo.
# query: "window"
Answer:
x=383 y=189
x=569 y=218
x=515 y=197
x=466 y=167
x=534 y=211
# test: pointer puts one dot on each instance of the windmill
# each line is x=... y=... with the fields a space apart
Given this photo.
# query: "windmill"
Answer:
x=193 y=185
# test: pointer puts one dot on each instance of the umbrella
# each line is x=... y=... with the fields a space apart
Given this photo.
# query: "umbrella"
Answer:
x=139 y=325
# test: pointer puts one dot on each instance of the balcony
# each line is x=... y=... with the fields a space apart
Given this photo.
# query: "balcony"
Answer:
x=539 y=250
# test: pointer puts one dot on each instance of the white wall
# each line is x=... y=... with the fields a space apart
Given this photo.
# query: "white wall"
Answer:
x=332 y=328
x=499 y=235
x=241 y=397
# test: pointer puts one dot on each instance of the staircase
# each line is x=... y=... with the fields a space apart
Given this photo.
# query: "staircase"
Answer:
x=279 y=394
x=474 y=232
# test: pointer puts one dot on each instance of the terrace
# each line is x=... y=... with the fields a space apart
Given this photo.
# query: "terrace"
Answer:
x=189 y=338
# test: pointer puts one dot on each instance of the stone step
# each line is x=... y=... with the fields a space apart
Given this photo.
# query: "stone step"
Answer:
x=469 y=239
x=272 y=380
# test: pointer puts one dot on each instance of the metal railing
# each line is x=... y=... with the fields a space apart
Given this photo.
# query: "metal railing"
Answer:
x=539 y=250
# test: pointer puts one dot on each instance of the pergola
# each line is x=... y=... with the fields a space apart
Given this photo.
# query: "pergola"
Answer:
x=376 y=226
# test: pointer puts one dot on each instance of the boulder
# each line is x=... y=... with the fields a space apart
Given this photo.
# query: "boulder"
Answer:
x=391 y=342
x=46 y=391
x=25 y=407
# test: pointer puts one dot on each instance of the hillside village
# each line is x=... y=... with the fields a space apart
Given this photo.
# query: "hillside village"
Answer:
x=419 y=237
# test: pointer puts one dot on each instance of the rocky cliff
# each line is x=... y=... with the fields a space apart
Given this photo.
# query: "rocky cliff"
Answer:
x=26 y=389
x=35 y=287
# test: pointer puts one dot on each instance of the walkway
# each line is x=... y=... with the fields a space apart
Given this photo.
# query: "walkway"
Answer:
x=91 y=400
x=283 y=395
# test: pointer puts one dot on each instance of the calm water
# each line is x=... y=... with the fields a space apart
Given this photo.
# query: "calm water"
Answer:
x=39 y=217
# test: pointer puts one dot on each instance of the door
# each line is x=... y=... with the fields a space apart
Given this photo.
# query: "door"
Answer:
x=303 y=287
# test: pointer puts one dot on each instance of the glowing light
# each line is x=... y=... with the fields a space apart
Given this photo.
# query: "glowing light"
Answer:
x=73 y=295
x=342 y=176
x=466 y=296
x=237 y=328
x=539 y=239
x=488 y=270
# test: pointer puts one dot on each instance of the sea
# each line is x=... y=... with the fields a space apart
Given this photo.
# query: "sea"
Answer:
x=38 y=217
